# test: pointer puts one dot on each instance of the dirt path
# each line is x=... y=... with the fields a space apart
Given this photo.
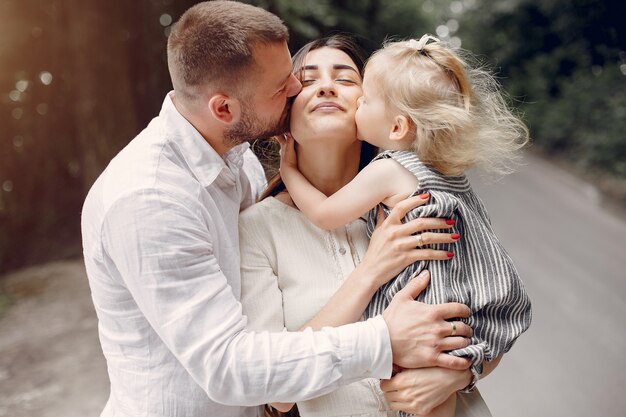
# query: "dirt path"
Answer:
x=51 y=364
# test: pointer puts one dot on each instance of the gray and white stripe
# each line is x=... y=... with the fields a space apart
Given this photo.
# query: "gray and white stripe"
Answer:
x=481 y=274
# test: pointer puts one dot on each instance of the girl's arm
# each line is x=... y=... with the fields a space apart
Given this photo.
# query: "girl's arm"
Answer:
x=371 y=186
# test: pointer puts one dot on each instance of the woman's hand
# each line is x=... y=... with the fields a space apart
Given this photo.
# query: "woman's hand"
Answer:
x=419 y=391
x=395 y=245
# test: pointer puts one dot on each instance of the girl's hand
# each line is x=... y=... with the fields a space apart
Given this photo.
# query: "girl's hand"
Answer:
x=395 y=245
x=419 y=391
x=288 y=158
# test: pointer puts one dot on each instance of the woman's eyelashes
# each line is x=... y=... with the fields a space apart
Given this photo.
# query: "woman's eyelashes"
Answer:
x=343 y=80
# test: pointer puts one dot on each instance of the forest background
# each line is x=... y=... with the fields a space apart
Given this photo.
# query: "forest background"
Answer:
x=78 y=80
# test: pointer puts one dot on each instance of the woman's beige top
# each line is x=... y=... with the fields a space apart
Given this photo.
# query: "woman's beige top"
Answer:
x=289 y=270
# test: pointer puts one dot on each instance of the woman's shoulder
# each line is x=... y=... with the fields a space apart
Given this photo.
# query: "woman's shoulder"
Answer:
x=265 y=212
x=259 y=209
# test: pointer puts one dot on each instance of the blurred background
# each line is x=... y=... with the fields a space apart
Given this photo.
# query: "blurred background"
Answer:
x=78 y=80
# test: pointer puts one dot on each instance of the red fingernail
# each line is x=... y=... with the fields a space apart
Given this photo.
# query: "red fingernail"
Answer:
x=450 y=222
x=424 y=196
x=450 y=254
x=456 y=236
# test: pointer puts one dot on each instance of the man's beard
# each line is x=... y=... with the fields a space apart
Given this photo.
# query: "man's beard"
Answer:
x=250 y=128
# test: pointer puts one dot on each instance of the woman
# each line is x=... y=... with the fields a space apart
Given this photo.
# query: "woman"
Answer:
x=295 y=275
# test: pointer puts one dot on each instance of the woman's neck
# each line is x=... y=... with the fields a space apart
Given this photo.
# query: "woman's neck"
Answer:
x=328 y=168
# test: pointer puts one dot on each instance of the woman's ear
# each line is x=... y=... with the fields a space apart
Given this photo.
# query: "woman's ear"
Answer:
x=224 y=109
x=401 y=128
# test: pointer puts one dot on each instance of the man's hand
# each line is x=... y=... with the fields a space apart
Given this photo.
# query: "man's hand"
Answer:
x=420 y=333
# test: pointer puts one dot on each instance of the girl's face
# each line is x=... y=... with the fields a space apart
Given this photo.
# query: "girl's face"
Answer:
x=374 y=124
x=325 y=108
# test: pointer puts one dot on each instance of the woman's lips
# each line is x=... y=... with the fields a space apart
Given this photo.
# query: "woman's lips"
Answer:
x=327 y=106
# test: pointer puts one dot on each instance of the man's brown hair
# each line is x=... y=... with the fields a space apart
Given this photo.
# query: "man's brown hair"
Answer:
x=211 y=45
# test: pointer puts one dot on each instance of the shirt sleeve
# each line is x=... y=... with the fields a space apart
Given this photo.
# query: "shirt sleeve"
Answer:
x=162 y=250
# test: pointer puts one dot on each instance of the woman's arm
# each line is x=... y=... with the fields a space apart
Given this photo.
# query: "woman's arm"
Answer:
x=391 y=249
x=371 y=186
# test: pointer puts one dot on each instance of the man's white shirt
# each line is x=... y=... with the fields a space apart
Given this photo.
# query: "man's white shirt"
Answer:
x=160 y=240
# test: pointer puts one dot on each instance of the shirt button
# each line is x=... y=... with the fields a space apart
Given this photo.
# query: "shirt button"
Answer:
x=342 y=251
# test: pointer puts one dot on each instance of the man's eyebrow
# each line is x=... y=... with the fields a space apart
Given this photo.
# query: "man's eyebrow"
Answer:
x=335 y=66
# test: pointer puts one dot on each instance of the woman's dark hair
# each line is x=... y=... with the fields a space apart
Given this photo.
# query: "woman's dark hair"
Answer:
x=343 y=43
x=346 y=44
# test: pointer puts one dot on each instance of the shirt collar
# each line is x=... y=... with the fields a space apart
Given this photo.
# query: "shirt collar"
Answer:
x=200 y=156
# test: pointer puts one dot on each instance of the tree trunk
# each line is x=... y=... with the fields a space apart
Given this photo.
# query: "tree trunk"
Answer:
x=97 y=40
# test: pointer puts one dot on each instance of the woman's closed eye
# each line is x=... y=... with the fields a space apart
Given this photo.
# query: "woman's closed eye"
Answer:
x=310 y=81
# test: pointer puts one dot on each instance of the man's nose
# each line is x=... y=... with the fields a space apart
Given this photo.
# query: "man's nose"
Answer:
x=294 y=86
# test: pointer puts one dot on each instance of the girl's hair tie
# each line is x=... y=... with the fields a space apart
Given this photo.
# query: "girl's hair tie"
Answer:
x=419 y=45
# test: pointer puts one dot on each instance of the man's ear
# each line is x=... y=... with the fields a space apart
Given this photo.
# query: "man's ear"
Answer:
x=401 y=128
x=225 y=109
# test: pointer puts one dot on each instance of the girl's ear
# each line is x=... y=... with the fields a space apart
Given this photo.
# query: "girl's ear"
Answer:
x=224 y=109
x=401 y=128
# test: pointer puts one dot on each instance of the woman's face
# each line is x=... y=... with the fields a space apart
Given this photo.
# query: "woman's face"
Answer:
x=325 y=108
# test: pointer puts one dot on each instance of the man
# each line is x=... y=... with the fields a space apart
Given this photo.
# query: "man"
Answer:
x=161 y=244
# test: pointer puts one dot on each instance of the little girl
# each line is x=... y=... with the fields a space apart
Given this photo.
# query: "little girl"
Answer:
x=435 y=117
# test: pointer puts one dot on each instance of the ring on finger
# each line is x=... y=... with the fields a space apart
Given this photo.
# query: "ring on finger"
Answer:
x=420 y=240
x=453 y=328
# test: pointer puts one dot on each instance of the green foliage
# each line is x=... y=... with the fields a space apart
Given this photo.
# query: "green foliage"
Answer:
x=5 y=302
x=564 y=60
x=371 y=20
x=587 y=120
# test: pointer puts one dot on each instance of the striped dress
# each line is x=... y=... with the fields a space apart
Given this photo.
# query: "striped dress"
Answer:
x=481 y=275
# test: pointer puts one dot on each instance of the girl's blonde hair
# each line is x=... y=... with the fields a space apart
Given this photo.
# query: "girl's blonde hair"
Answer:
x=459 y=115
